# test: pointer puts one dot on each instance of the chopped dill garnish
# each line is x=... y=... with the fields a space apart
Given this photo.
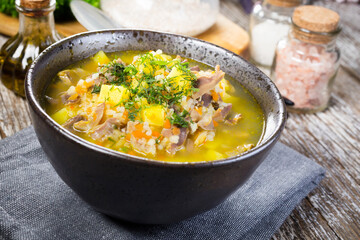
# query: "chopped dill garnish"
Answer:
x=96 y=88
x=142 y=81
x=179 y=120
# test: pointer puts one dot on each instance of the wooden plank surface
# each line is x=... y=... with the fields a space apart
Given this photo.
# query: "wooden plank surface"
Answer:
x=331 y=138
x=224 y=32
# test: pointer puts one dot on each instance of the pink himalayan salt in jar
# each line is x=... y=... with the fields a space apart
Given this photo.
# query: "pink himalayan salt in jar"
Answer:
x=306 y=62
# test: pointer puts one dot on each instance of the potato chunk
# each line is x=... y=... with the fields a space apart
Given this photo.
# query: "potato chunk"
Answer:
x=101 y=58
x=176 y=75
x=154 y=115
x=62 y=115
x=113 y=95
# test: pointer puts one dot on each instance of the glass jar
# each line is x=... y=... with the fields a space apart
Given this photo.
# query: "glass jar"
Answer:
x=36 y=32
x=307 y=61
x=269 y=22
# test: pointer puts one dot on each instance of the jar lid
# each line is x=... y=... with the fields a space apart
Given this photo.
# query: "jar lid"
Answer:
x=35 y=8
x=284 y=3
x=314 y=24
x=34 y=4
x=316 y=19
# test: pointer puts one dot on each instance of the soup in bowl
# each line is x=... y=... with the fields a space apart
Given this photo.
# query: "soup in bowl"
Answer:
x=155 y=105
x=151 y=127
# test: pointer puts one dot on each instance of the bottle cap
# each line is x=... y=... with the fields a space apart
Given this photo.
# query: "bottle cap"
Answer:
x=284 y=3
x=35 y=8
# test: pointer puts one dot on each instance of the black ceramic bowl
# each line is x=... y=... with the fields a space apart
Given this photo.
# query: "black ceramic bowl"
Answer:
x=138 y=189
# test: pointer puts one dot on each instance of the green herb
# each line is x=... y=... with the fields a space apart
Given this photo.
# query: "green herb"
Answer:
x=62 y=12
x=179 y=120
x=96 y=88
x=143 y=84
x=124 y=149
x=133 y=111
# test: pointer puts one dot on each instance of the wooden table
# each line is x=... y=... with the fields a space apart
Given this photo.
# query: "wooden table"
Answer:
x=331 y=138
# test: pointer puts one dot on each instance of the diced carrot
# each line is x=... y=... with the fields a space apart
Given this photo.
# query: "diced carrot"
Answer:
x=125 y=115
x=139 y=134
x=72 y=107
x=156 y=134
x=128 y=137
x=215 y=123
x=215 y=96
x=139 y=126
x=221 y=86
x=79 y=89
x=167 y=124
x=132 y=152
x=176 y=131
x=199 y=110
x=88 y=83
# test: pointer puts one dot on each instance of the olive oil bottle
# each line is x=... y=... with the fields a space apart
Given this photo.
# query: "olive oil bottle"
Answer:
x=36 y=32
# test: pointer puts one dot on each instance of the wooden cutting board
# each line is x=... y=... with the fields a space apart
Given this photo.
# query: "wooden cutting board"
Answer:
x=224 y=33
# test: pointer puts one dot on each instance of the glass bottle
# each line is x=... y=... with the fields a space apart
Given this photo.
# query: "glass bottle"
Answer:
x=269 y=22
x=306 y=62
x=36 y=32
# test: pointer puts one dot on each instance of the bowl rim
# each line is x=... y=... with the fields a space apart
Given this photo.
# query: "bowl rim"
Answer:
x=36 y=107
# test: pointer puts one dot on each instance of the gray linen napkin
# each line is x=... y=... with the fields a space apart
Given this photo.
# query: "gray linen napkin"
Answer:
x=36 y=204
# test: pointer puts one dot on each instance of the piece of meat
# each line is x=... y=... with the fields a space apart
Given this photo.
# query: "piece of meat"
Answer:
x=166 y=132
x=206 y=99
x=65 y=99
x=72 y=76
x=51 y=100
x=206 y=122
x=221 y=113
x=195 y=69
x=70 y=122
x=98 y=114
x=94 y=121
x=105 y=129
x=194 y=115
x=120 y=61
x=215 y=105
x=182 y=137
x=206 y=83
x=101 y=79
x=234 y=120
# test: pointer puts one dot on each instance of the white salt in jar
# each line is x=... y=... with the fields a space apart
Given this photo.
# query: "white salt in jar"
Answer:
x=307 y=61
x=269 y=22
